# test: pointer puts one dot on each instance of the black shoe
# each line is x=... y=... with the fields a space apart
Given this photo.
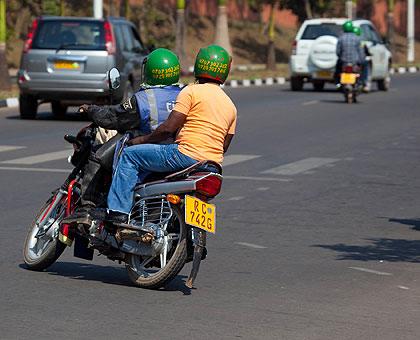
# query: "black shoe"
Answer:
x=116 y=217
x=82 y=215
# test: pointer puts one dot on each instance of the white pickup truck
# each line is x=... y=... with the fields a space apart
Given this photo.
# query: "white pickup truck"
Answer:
x=314 y=58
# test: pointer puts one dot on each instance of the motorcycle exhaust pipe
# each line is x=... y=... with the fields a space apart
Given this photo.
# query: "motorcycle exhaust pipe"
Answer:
x=199 y=240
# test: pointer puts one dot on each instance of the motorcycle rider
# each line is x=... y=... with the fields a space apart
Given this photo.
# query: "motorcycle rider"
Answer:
x=349 y=50
x=140 y=114
x=365 y=64
x=204 y=118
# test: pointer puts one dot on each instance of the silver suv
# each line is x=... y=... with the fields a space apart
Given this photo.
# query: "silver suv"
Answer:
x=65 y=60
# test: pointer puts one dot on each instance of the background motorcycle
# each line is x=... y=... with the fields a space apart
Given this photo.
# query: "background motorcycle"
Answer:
x=350 y=82
x=167 y=224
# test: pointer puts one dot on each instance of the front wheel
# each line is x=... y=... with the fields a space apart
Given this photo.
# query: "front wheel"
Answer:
x=42 y=246
x=154 y=272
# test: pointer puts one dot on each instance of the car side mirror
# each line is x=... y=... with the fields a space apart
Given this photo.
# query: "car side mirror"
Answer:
x=114 y=79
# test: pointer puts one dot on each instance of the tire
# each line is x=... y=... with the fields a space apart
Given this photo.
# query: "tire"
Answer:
x=296 y=83
x=54 y=249
x=348 y=97
x=58 y=109
x=384 y=84
x=318 y=85
x=28 y=106
x=173 y=266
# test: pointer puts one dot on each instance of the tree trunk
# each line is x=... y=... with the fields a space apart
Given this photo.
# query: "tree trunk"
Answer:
x=308 y=9
x=62 y=8
x=390 y=24
x=180 y=36
x=222 y=28
x=125 y=8
x=271 y=50
x=4 y=71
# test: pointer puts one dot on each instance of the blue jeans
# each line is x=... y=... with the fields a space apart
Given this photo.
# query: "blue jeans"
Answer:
x=135 y=164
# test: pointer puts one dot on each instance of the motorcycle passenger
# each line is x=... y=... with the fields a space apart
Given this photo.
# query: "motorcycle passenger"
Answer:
x=349 y=50
x=365 y=64
x=204 y=118
x=140 y=114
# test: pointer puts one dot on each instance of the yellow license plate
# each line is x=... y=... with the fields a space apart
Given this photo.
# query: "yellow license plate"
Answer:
x=66 y=65
x=324 y=74
x=348 y=78
x=200 y=214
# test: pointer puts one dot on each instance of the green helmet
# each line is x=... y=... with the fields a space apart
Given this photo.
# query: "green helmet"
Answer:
x=161 y=67
x=212 y=62
x=348 y=26
x=357 y=31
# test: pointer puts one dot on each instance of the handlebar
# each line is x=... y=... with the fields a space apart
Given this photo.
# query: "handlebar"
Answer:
x=72 y=140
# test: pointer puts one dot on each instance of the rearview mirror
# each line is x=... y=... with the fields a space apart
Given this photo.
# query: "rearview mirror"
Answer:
x=114 y=79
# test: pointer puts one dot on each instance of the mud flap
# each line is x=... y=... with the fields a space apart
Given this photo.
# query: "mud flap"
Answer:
x=81 y=249
x=199 y=240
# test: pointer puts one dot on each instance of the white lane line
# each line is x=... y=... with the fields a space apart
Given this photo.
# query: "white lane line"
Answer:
x=235 y=159
x=11 y=168
x=371 y=271
x=263 y=188
x=236 y=198
x=403 y=287
x=300 y=166
x=4 y=148
x=251 y=178
x=44 y=157
x=311 y=102
x=251 y=245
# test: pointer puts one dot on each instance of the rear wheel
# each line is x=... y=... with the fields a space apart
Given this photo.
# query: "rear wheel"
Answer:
x=59 y=110
x=28 y=106
x=296 y=83
x=318 y=85
x=155 y=271
x=42 y=247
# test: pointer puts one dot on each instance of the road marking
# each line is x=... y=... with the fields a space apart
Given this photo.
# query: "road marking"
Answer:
x=251 y=178
x=263 y=188
x=236 y=198
x=251 y=245
x=11 y=168
x=44 y=157
x=371 y=271
x=311 y=102
x=300 y=166
x=4 y=148
x=403 y=287
x=235 y=159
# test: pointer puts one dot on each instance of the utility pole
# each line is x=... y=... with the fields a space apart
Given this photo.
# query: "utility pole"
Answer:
x=98 y=9
x=4 y=71
x=349 y=9
x=410 y=30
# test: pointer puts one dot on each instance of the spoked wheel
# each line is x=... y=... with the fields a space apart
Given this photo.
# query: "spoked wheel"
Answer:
x=42 y=247
x=155 y=271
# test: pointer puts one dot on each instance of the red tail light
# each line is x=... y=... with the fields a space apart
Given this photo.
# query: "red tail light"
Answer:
x=109 y=38
x=209 y=186
x=30 y=36
x=348 y=69
x=294 y=45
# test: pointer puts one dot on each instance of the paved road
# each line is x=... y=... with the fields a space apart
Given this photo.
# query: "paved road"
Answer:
x=318 y=235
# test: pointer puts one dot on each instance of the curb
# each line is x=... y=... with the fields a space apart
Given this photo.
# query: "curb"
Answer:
x=9 y=102
x=402 y=70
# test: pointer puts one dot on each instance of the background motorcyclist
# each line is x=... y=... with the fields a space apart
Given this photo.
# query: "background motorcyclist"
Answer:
x=140 y=114
x=365 y=63
x=349 y=50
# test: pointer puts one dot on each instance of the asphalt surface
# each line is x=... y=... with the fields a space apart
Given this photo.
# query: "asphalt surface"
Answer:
x=318 y=234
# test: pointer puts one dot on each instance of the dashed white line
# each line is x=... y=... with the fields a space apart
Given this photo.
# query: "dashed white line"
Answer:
x=311 y=102
x=236 y=198
x=300 y=166
x=4 y=148
x=235 y=159
x=263 y=188
x=371 y=271
x=251 y=245
x=44 y=157
x=403 y=287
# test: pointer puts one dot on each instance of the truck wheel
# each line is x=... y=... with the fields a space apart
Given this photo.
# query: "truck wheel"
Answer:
x=28 y=106
x=59 y=110
x=296 y=83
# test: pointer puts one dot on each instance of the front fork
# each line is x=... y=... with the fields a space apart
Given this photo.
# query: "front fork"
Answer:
x=199 y=241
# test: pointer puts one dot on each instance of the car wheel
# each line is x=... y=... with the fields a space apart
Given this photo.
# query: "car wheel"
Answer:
x=384 y=84
x=368 y=85
x=59 y=110
x=318 y=85
x=296 y=83
x=28 y=106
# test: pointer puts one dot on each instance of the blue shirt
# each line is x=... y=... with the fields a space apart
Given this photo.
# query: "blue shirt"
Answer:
x=349 y=49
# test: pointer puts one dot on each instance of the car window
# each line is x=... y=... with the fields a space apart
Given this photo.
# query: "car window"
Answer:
x=127 y=38
x=366 y=33
x=312 y=32
x=375 y=36
x=70 y=34
x=119 y=37
x=136 y=38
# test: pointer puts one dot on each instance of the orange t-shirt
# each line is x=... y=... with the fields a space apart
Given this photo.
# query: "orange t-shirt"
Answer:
x=211 y=115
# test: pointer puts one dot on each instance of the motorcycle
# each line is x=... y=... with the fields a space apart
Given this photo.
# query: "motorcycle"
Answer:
x=350 y=82
x=166 y=228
